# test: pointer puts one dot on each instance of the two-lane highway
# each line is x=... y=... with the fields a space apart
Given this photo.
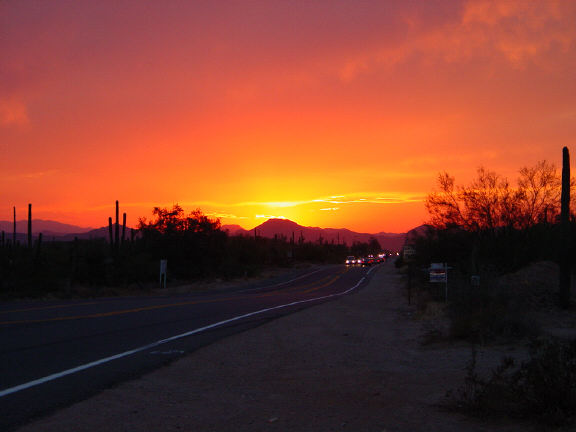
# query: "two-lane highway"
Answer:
x=56 y=353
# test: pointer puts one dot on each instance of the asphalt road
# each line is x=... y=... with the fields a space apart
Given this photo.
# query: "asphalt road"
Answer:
x=53 y=353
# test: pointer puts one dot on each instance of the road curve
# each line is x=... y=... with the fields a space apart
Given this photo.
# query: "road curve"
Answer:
x=55 y=353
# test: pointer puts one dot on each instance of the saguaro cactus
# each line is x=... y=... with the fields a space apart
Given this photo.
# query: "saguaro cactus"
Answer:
x=565 y=232
x=29 y=225
x=117 y=232
x=110 y=232
x=14 y=234
x=123 y=227
x=114 y=229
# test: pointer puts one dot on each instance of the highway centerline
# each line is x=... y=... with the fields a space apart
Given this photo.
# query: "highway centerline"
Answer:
x=39 y=308
x=58 y=375
x=314 y=286
x=281 y=283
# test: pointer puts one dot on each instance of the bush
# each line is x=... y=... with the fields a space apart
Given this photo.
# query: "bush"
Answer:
x=489 y=312
x=542 y=388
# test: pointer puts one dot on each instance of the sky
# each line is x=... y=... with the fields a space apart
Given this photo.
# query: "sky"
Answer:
x=331 y=113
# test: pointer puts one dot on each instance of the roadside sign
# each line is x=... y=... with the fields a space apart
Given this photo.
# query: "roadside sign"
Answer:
x=438 y=273
x=408 y=252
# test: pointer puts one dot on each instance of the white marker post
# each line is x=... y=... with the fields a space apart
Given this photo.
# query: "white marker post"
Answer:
x=163 y=267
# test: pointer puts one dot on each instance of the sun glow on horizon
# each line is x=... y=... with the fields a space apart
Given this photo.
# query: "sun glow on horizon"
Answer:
x=259 y=216
x=251 y=110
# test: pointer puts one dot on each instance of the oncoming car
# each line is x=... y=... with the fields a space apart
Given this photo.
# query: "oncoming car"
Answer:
x=350 y=260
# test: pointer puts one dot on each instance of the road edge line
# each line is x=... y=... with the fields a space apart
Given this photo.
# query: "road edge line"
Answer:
x=80 y=368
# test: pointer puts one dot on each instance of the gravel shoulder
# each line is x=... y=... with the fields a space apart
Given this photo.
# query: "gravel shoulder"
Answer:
x=353 y=364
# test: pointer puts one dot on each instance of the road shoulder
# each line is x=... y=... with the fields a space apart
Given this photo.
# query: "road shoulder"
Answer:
x=355 y=364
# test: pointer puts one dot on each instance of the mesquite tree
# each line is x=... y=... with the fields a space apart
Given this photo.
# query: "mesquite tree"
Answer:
x=491 y=202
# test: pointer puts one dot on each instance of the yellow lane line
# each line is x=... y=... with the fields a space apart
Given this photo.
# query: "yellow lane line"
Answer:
x=315 y=287
x=46 y=307
x=294 y=290
x=113 y=313
x=308 y=288
x=330 y=282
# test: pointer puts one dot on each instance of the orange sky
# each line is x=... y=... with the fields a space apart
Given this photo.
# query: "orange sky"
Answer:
x=331 y=113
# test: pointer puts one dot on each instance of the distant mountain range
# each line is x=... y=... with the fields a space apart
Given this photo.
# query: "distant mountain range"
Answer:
x=46 y=227
x=52 y=230
x=286 y=228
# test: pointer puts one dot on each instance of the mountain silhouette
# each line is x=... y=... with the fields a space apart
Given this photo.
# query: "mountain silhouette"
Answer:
x=46 y=227
x=281 y=228
x=54 y=231
x=286 y=228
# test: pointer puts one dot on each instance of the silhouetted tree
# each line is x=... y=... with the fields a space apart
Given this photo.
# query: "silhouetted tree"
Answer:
x=490 y=202
x=540 y=186
x=174 y=221
x=374 y=245
x=193 y=243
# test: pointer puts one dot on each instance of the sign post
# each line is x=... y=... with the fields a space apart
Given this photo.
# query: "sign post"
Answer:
x=408 y=254
x=163 y=269
x=439 y=274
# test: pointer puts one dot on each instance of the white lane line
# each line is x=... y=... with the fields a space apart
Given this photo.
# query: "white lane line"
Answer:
x=372 y=268
x=80 y=368
x=281 y=283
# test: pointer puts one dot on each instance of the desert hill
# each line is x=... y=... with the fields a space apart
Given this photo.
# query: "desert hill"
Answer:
x=287 y=228
x=47 y=227
x=53 y=230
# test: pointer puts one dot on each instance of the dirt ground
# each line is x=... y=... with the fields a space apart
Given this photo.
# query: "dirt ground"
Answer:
x=353 y=364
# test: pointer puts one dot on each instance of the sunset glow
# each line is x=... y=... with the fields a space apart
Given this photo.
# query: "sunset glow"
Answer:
x=328 y=113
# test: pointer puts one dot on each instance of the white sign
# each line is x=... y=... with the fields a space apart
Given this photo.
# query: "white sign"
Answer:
x=437 y=277
x=438 y=272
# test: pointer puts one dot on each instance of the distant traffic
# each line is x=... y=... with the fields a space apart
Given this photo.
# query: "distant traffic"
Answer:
x=366 y=261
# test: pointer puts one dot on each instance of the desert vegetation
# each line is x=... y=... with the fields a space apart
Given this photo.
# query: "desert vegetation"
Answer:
x=508 y=247
x=541 y=388
x=488 y=229
x=128 y=260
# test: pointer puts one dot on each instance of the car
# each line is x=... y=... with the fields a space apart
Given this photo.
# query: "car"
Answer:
x=350 y=260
